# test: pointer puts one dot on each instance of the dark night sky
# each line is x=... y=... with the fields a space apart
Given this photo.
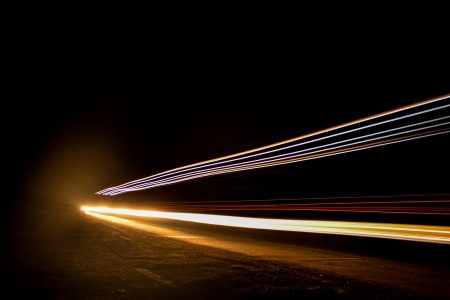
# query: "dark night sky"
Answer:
x=81 y=125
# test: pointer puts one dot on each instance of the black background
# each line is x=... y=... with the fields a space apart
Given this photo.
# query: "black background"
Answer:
x=85 y=116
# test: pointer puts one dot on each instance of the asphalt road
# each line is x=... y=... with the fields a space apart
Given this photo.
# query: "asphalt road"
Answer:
x=69 y=256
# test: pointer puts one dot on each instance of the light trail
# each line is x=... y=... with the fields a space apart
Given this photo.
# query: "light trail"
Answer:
x=314 y=198
x=385 y=205
x=223 y=165
x=277 y=162
x=419 y=233
x=277 y=158
x=286 y=156
x=436 y=204
x=202 y=165
x=420 y=207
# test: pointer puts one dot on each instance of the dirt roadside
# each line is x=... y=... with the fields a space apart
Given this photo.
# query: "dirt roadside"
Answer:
x=70 y=256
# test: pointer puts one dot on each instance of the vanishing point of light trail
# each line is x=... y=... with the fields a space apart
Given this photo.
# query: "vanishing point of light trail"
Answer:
x=358 y=135
x=419 y=233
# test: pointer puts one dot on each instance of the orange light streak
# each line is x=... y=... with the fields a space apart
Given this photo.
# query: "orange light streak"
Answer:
x=419 y=233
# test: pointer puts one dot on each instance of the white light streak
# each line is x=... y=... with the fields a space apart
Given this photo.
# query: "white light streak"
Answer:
x=420 y=233
x=223 y=165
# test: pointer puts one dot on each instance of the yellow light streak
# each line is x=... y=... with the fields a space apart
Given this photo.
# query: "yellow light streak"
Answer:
x=409 y=232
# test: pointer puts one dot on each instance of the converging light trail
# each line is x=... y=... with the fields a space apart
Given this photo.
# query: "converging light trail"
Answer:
x=419 y=233
x=358 y=135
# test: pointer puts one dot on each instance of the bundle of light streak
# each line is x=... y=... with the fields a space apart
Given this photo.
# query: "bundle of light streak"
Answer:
x=409 y=232
x=424 y=119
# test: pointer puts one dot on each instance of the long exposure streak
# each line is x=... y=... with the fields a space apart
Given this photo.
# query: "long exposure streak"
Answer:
x=354 y=136
x=425 y=204
x=389 y=207
x=421 y=233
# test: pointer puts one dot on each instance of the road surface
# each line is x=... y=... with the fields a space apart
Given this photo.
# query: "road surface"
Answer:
x=64 y=256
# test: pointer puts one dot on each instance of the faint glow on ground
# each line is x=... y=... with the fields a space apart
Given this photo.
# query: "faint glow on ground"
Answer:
x=420 y=233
